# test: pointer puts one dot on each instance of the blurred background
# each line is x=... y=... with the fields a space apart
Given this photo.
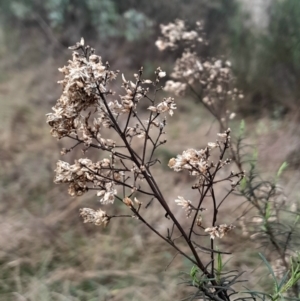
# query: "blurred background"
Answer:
x=46 y=253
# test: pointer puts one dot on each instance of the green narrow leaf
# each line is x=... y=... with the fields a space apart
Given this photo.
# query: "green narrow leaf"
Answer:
x=220 y=264
x=193 y=271
x=268 y=211
x=281 y=169
x=255 y=155
x=226 y=262
x=270 y=270
x=243 y=184
x=242 y=128
x=283 y=280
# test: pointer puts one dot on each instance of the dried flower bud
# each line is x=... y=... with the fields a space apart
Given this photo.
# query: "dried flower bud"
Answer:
x=222 y=135
x=161 y=74
x=199 y=220
x=137 y=202
x=232 y=115
x=128 y=202
x=212 y=145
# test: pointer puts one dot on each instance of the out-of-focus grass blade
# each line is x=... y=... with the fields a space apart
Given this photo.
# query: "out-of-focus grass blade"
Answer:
x=281 y=169
x=270 y=270
x=242 y=128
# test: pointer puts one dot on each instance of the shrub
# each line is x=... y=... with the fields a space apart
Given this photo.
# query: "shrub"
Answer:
x=88 y=114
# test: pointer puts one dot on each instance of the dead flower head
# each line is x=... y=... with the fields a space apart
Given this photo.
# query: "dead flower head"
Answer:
x=186 y=204
x=98 y=217
x=167 y=105
x=84 y=77
x=219 y=231
x=192 y=160
x=128 y=202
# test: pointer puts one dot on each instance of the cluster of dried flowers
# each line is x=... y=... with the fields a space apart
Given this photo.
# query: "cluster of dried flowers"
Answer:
x=96 y=217
x=174 y=33
x=200 y=165
x=83 y=77
x=83 y=111
x=210 y=79
x=89 y=114
x=85 y=172
x=219 y=231
x=88 y=110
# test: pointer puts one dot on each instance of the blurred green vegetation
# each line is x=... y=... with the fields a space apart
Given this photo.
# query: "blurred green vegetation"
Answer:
x=266 y=61
x=111 y=18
